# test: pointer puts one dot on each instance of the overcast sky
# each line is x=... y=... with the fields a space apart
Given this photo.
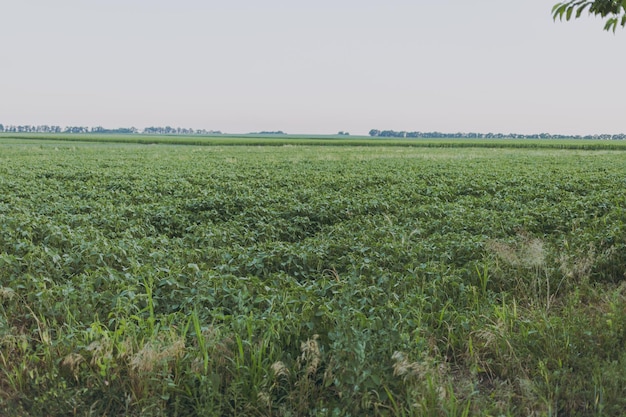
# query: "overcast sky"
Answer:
x=310 y=66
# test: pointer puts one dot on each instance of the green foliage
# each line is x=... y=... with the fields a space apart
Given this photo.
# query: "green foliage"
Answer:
x=590 y=142
x=615 y=10
x=295 y=281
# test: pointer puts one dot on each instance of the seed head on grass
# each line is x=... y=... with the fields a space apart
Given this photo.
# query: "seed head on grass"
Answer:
x=406 y=369
x=100 y=350
x=528 y=253
x=264 y=398
x=6 y=293
x=154 y=354
x=504 y=252
x=533 y=254
x=72 y=363
x=144 y=360
x=280 y=370
x=221 y=345
x=311 y=355
x=126 y=348
x=578 y=267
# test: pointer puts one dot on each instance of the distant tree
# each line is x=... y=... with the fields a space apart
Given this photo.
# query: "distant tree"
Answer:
x=614 y=11
x=76 y=129
x=1 y=128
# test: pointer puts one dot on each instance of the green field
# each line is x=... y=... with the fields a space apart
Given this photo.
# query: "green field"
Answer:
x=319 y=140
x=295 y=280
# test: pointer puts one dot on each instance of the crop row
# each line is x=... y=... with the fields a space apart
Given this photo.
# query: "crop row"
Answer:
x=319 y=140
x=170 y=280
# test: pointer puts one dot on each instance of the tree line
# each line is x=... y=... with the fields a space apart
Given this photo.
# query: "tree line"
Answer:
x=168 y=130
x=154 y=130
x=473 y=135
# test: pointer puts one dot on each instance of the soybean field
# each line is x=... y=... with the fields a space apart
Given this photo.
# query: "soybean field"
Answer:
x=308 y=280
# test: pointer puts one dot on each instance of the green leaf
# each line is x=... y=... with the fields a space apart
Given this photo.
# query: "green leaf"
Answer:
x=581 y=9
x=555 y=8
x=558 y=10
x=611 y=23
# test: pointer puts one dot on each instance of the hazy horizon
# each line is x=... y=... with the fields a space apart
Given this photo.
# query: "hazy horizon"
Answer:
x=310 y=68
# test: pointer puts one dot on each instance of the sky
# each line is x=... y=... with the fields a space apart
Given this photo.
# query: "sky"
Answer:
x=310 y=67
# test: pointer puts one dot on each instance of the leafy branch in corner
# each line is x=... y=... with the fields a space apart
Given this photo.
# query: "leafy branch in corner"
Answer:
x=614 y=11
